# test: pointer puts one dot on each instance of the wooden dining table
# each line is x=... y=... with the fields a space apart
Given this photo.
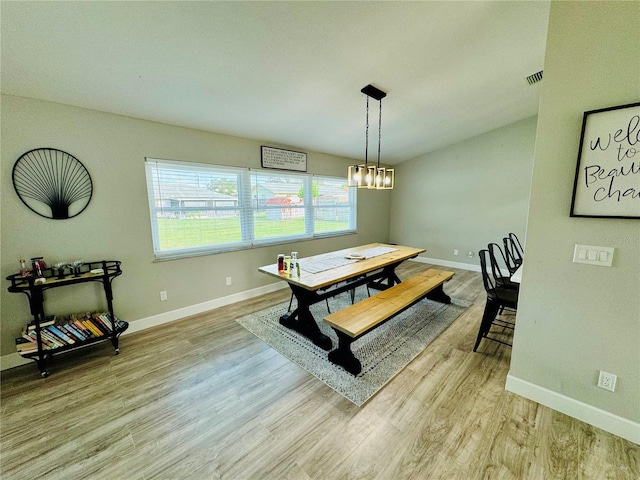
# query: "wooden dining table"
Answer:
x=517 y=275
x=329 y=274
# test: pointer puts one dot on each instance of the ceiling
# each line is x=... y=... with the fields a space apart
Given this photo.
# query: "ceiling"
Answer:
x=286 y=73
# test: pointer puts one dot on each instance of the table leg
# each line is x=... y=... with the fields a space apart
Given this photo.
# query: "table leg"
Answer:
x=387 y=279
x=301 y=320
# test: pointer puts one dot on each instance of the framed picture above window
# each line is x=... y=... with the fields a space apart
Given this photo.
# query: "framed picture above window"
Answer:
x=607 y=180
x=282 y=159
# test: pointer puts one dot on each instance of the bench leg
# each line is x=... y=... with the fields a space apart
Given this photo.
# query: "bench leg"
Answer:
x=438 y=295
x=343 y=355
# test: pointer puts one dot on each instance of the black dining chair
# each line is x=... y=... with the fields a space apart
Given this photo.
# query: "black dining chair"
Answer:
x=499 y=263
x=517 y=243
x=513 y=254
x=497 y=298
x=352 y=293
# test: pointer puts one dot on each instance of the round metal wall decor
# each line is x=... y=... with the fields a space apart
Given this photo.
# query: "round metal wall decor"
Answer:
x=52 y=183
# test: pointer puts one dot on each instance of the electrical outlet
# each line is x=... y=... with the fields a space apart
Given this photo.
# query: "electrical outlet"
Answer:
x=228 y=281
x=163 y=295
x=470 y=254
x=455 y=251
x=607 y=381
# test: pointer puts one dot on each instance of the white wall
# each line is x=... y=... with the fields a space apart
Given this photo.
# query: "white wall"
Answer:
x=466 y=195
x=116 y=224
x=574 y=320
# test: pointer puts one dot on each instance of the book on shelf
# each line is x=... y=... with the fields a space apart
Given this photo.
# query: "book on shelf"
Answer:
x=69 y=330
x=64 y=330
x=121 y=324
x=32 y=336
x=95 y=330
x=118 y=324
x=82 y=327
x=51 y=335
x=25 y=346
x=103 y=321
x=25 y=351
x=48 y=320
x=90 y=326
x=44 y=333
x=72 y=328
x=100 y=325
x=63 y=336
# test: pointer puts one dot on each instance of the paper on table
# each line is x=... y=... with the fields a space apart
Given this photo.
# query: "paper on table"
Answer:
x=335 y=262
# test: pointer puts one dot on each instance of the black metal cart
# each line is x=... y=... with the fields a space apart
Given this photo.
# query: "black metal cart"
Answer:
x=33 y=287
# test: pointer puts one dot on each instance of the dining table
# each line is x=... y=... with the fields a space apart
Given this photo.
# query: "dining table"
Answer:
x=517 y=275
x=329 y=274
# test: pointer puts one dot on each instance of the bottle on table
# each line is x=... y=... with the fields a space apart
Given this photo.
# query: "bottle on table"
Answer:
x=294 y=268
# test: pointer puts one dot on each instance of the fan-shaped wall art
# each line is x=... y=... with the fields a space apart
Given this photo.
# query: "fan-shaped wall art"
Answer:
x=52 y=183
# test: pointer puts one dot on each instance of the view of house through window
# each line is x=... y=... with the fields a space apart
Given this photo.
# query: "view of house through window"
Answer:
x=199 y=208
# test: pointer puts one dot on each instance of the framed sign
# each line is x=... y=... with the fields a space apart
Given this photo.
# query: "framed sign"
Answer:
x=607 y=181
x=283 y=159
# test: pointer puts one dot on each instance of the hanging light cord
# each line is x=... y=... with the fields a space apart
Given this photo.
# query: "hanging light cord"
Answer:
x=379 y=131
x=366 y=147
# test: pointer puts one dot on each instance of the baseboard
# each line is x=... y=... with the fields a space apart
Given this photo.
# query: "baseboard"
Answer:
x=14 y=359
x=155 y=320
x=446 y=263
x=607 y=421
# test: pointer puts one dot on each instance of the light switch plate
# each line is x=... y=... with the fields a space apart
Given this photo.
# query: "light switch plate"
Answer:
x=592 y=255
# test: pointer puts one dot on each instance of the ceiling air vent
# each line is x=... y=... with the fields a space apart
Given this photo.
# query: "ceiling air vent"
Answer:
x=535 y=78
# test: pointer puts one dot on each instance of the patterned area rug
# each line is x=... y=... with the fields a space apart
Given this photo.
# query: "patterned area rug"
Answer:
x=383 y=352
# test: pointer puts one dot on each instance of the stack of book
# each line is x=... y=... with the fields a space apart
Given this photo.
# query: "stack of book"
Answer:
x=76 y=328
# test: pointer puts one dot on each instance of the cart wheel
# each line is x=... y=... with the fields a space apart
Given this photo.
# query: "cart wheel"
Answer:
x=44 y=374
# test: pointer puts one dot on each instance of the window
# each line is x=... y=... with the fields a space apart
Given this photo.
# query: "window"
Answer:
x=198 y=208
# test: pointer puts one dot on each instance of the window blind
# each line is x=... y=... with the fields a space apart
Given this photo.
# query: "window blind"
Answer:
x=198 y=208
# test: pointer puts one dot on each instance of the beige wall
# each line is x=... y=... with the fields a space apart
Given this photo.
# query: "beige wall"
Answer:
x=466 y=195
x=116 y=223
x=574 y=320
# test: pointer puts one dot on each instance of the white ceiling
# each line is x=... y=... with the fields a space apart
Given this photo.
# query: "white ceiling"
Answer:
x=286 y=73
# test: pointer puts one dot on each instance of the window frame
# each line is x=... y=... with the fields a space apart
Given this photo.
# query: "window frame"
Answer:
x=248 y=206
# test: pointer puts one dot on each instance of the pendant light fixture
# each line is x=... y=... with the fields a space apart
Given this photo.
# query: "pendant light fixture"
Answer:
x=365 y=175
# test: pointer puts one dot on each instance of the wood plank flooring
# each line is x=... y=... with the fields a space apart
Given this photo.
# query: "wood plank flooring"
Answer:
x=202 y=398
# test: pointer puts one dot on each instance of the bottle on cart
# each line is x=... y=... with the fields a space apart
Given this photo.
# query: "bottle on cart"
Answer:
x=38 y=265
x=24 y=271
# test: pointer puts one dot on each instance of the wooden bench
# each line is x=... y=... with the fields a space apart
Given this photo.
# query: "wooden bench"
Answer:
x=360 y=318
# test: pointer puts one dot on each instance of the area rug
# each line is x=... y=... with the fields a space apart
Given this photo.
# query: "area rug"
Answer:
x=383 y=352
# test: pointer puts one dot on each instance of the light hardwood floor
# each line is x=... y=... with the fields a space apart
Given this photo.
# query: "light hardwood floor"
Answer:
x=202 y=398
